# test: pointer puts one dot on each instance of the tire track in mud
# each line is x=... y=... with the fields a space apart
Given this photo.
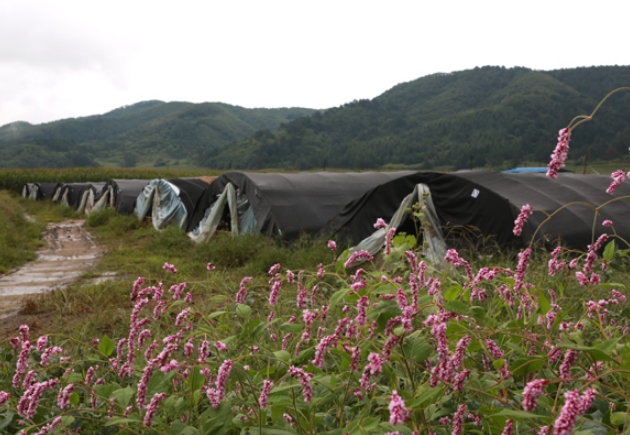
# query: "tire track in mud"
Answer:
x=70 y=252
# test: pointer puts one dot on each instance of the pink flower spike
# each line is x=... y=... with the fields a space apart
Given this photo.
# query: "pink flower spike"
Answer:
x=607 y=223
x=559 y=154
x=618 y=177
x=211 y=267
x=380 y=223
x=526 y=212
x=332 y=245
x=169 y=267
x=398 y=412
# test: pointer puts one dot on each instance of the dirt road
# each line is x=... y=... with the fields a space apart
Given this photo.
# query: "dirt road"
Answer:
x=70 y=252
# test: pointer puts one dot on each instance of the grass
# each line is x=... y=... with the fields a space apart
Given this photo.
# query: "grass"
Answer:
x=19 y=237
x=134 y=249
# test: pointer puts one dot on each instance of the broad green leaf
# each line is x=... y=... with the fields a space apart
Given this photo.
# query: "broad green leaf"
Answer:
x=283 y=356
x=417 y=349
x=543 y=303
x=293 y=328
x=243 y=310
x=74 y=377
x=8 y=418
x=452 y=292
x=106 y=345
x=618 y=418
x=609 y=250
x=260 y=328
x=74 y=399
x=123 y=396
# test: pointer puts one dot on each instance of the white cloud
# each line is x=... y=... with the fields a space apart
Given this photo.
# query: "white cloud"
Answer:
x=71 y=58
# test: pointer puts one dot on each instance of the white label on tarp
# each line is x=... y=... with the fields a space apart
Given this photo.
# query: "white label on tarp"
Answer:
x=475 y=193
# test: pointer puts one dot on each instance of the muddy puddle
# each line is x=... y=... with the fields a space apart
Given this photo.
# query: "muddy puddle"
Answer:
x=71 y=251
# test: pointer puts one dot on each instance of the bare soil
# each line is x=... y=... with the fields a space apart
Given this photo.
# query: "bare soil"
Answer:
x=71 y=251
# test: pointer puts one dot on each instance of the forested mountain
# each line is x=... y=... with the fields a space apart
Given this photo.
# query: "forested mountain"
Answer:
x=149 y=132
x=491 y=116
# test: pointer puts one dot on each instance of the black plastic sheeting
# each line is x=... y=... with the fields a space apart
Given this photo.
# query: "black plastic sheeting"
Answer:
x=287 y=205
x=125 y=193
x=45 y=190
x=191 y=190
x=490 y=202
x=75 y=192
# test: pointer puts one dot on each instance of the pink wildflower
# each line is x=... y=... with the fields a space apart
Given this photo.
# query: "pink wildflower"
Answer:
x=332 y=245
x=526 y=212
x=398 y=412
x=304 y=378
x=4 y=397
x=274 y=269
x=388 y=240
x=559 y=154
x=533 y=390
x=220 y=346
x=273 y=296
x=63 y=398
x=264 y=393
x=50 y=426
x=509 y=427
x=211 y=267
x=458 y=419
x=607 y=223
x=169 y=267
x=566 y=420
x=152 y=408
x=618 y=177
x=380 y=223
x=41 y=343
x=357 y=255
x=570 y=357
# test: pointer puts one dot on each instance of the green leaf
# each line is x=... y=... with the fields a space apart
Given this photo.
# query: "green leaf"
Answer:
x=243 y=310
x=74 y=377
x=337 y=296
x=618 y=418
x=8 y=418
x=417 y=349
x=218 y=298
x=457 y=307
x=283 y=356
x=609 y=250
x=180 y=428
x=516 y=415
x=427 y=396
x=543 y=303
x=452 y=292
x=524 y=366
x=216 y=314
x=293 y=328
x=74 y=399
x=123 y=421
x=106 y=345
x=123 y=396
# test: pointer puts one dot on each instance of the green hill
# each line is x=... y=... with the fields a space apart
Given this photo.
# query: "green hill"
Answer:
x=489 y=116
x=150 y=132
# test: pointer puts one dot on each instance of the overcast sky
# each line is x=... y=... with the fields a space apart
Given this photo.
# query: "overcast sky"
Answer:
x=63 y=58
